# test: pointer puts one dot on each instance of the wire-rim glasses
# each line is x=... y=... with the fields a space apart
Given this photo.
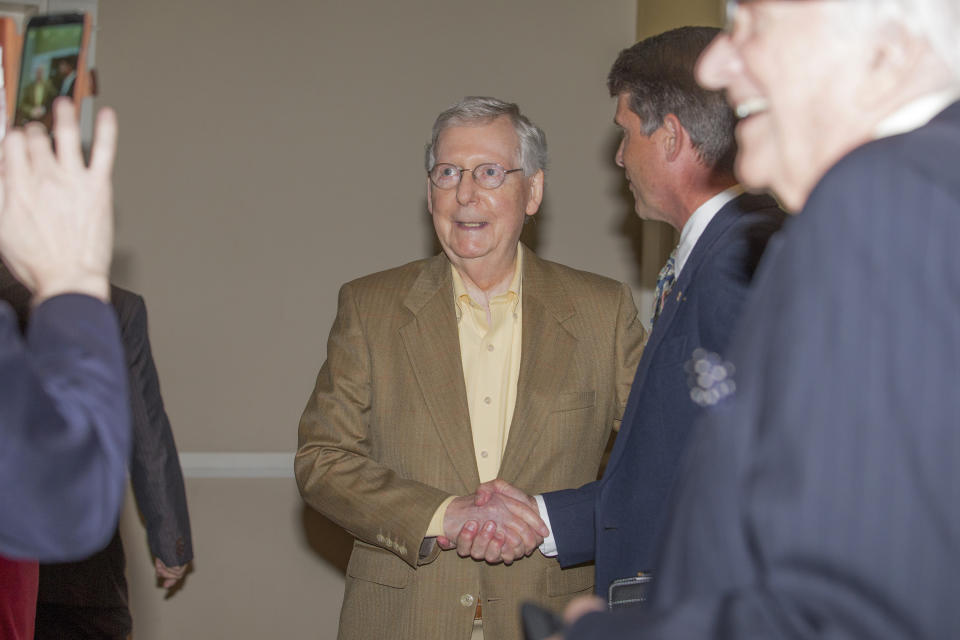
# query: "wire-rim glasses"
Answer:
x=488 y=175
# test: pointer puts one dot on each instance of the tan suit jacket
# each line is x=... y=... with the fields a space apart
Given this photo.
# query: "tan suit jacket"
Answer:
x=385 y=437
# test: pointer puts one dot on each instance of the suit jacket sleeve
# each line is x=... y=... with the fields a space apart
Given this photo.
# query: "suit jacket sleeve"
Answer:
x=572 y=522
x=334 y=467
x=64 y=430
x=154 y=466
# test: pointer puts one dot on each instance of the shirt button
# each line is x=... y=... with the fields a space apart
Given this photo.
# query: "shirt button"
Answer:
x=489 y=347
x=484 y=454
x=467 y=600
x=487 y=400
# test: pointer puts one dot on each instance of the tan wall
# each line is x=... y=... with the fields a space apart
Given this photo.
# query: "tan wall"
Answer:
x=270 y=151
x=656 y=16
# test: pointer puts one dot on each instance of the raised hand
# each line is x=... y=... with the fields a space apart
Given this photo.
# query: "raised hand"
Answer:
x=56 y=225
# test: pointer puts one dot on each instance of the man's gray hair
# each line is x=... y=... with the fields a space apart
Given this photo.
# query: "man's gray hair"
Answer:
x=479 y=110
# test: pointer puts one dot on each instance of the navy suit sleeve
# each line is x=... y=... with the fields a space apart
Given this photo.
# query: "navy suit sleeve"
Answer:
x=154 y=466
x=571 y=513
x=64 y=430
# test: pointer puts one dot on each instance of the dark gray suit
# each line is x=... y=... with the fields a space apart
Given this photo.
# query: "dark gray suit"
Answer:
x=822 y=500
x=89 y=598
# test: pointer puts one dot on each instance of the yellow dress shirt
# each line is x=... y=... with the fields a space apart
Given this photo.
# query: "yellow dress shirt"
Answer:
x=490 y=354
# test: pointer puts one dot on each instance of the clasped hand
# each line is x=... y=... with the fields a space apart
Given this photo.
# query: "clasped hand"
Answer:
x=499 y=523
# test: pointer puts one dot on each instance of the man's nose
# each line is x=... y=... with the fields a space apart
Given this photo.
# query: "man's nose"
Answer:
x=718 y=64
x=619 y=157
x=466 y=188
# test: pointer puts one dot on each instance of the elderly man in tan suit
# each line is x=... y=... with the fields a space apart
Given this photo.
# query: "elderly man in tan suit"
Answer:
x=481 y=362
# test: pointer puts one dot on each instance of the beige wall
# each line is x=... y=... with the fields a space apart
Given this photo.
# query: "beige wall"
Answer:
x=656 y=16
x=271 y=151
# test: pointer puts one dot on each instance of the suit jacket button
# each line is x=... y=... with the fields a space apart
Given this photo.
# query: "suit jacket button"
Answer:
x=467 y=600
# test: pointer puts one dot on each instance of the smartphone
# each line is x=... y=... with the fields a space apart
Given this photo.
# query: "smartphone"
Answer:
x=629 y=592
x=52 y=64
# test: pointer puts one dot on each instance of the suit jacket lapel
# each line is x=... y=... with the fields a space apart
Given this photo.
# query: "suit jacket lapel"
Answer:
x=547 y=349
x=433 y=346
x=726 y=216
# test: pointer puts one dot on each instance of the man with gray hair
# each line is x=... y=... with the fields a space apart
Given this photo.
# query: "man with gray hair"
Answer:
x=820 y=499
x=484 y=361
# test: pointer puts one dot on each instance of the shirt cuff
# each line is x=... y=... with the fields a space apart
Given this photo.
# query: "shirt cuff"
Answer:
x=436 y=523
x=549 y=546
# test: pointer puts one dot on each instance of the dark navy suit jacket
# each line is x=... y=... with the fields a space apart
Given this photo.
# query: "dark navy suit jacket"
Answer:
x=64 y=429
x=616 y=521
x=823 y=499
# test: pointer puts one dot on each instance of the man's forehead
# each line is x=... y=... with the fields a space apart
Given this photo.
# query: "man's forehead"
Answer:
x=497 y=136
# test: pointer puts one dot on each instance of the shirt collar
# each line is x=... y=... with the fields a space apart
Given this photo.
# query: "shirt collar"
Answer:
x=916 y=113
x=461 y=297
x=697 y=222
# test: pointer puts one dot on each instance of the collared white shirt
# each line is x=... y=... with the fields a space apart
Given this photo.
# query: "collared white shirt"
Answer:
x=916 y=113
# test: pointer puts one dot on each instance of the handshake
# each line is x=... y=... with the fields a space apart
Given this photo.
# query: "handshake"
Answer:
x=498 y=523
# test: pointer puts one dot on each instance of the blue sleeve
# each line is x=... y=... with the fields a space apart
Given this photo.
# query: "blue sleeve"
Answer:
x=571 y=514
x=64 y=430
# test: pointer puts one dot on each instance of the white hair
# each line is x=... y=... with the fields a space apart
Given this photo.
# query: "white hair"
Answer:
x=474 y=110
x=936 y=21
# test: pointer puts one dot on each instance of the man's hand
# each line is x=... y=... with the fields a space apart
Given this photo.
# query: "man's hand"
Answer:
x=486 y=542
x=486 y=491
x=56 y=224
x=511 y=528
x=578 y=608
x=169 y=576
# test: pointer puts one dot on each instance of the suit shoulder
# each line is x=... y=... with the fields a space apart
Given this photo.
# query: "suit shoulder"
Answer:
x=759 y=211
x=129 y=306
x=124 y=299
x=889 y=166
x=577 y=281
x=389 y=283
x=392 y=276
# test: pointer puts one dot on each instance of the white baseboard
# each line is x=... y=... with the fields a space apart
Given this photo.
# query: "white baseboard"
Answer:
x=237 y=465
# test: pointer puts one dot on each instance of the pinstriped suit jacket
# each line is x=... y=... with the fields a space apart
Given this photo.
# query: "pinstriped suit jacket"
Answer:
x=823 y=499
x=386 y=437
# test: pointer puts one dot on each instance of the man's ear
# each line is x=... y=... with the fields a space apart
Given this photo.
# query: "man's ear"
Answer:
x=895 y=55
x=429 y=196
x=674 y=137
x=535 y=197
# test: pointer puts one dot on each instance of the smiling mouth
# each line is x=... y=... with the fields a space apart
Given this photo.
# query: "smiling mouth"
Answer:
x=471 y=225
x=751 y=107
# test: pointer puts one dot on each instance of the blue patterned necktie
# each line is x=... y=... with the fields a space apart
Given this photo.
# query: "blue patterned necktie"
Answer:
x=665 y=280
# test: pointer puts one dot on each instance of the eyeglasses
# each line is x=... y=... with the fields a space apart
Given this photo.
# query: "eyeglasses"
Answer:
x=488 y=175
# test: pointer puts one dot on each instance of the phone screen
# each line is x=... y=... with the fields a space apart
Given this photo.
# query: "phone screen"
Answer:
x=49 y=65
